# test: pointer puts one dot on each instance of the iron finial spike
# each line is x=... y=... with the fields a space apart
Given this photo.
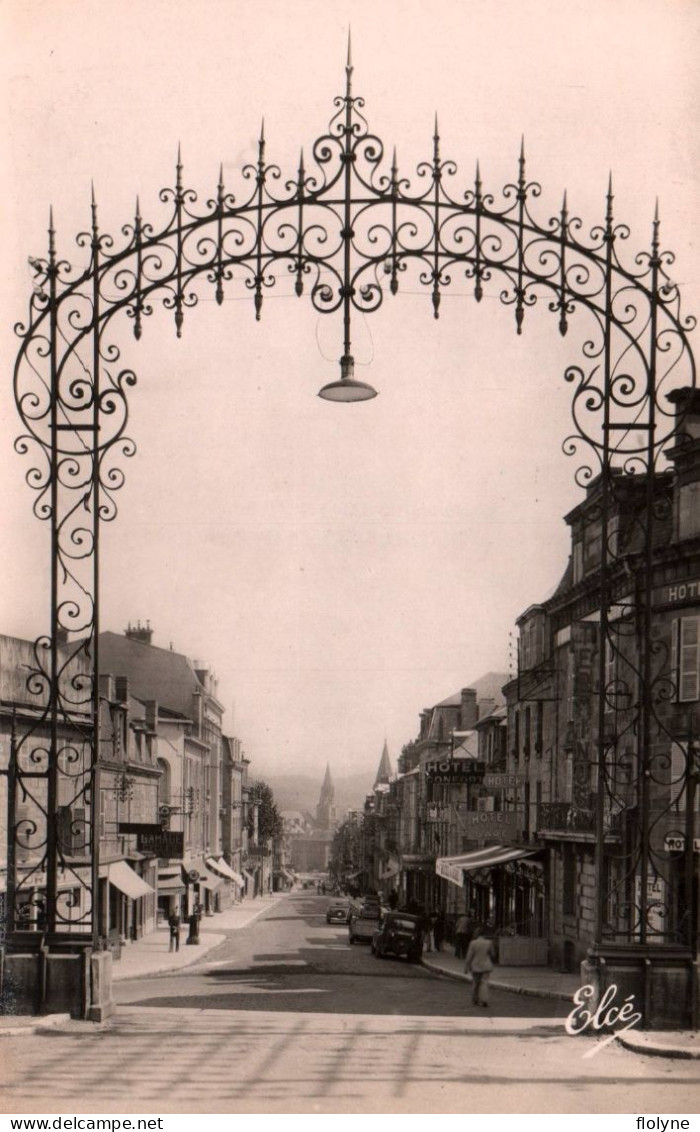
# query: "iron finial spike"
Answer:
x=52 y=234
x=92 y=192
x=262 y=132
x=656 y=211
x=221 y=174
x=348 y=65
x=138 y=207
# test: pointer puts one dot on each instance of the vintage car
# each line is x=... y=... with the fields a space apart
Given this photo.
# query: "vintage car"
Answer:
x=338 y=912
x=399 y=933
x=363 y=923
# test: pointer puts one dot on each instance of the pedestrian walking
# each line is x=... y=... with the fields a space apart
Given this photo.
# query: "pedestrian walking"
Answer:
x=479 y=963
x=464 y=930
x=439 y=927
x=174 y=925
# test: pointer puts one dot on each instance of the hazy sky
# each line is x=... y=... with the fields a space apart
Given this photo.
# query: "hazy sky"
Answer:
x=340 y=567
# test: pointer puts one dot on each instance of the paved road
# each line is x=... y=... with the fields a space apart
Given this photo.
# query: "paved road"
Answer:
x=286 y=1018
x=291 y=960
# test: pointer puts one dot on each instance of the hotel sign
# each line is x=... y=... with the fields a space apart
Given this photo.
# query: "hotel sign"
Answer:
x=506 y=825
x=457 y=772
x=677 y=592
x=503 y=781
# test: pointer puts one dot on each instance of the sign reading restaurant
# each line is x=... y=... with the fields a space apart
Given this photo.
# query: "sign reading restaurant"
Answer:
x=454 y=771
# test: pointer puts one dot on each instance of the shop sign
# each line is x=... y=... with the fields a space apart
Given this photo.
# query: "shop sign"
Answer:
x=503 y=781
x=505 y=825
x=457 y=772
x=675 y=843
x=677 y=592
x=162 y=843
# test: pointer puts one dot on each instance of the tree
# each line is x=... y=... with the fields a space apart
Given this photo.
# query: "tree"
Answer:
x=269 y=817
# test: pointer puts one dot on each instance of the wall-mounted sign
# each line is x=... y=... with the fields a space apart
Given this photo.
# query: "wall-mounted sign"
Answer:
x=506 y=825
x=675 y=843
x=163 y=843
x=677 y=592
x=454 y=771
x=503 y=781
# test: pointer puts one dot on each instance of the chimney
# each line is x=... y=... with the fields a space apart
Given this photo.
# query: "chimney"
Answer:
x=468 y=710
x=140 y=633
x=151 y=707
x=121 y=689
x=485 y=707
x=106 y=686
x=425 y=722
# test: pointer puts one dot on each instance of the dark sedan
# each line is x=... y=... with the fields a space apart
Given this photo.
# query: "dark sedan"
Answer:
x=399 y=933
x=338 y=912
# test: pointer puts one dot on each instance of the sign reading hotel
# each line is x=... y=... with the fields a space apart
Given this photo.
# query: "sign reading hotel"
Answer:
x=455 y=772
x=502 y=824
x=677 y=592
x=503 y=781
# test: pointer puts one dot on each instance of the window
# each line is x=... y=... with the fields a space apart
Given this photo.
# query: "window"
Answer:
x=678 y=780
x=689 y=510
x=539 y=728
x=578 y=561
x=685 y=658
x=568 y=880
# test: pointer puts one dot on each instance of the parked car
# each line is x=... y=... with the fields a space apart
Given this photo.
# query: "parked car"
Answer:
x=399 y=933
x=338 y=912
x=363 y=923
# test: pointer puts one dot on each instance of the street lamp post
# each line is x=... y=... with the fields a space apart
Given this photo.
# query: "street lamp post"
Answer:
x=349 y=230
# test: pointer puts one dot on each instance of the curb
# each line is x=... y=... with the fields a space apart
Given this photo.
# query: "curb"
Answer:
x=640 y=1045
x=42 y=1022
x=118 y=977
x=533 y=992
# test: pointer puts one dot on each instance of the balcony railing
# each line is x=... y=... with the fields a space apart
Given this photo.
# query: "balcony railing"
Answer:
x=563 y=817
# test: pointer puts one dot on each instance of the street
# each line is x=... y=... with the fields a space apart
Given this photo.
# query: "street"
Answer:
x=286 y=1016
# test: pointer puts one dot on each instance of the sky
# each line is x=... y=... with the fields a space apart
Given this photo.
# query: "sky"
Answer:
x=340 y=567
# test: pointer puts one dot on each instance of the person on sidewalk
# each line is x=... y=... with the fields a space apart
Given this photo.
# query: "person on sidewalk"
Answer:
x=439 y=928
x=174 y=925
x=479 y=963
x=464 y=930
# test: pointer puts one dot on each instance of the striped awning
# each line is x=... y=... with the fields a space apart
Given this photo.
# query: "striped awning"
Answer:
x=454 y=868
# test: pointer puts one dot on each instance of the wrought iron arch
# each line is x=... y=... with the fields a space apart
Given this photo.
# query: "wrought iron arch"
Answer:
x=347 y=229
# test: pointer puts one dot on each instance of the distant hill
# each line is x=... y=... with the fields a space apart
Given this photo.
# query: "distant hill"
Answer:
x=301 y=791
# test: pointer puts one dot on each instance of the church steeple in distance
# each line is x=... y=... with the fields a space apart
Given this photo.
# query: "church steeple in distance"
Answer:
x=384 y=770
x=325 y=810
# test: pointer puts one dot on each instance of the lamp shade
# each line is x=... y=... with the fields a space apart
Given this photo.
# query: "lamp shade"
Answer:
x=347 y=389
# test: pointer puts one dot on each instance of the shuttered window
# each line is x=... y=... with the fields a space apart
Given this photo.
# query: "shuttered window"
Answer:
x=685 y=659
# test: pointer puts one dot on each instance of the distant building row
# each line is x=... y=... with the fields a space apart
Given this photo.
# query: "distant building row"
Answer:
x=177 y=826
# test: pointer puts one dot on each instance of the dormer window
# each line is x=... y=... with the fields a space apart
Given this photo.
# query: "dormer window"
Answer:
x=689 y=510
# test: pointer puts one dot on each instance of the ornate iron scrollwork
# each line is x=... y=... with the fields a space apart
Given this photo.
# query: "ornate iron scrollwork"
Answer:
x=349 y=230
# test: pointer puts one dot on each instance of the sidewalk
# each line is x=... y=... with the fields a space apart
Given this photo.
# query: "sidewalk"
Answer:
x=539 y=981
x=150 y=956
x=545 y=983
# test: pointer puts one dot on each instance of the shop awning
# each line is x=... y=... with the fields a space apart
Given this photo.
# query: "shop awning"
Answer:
x=208 y=880
x=170 y=880
x=454 y=868
x=220 y=866
x=123 y=877
x=249 y=876
x=283 y=873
